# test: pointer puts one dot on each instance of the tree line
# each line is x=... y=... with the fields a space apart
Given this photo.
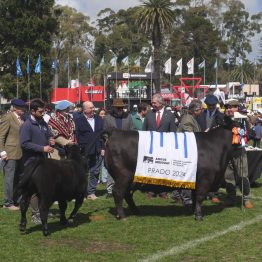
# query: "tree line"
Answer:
x=205 y=30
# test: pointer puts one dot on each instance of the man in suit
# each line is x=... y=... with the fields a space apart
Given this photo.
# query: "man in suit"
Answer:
x=88 y=125
x=160 y=120
x=211 y=116
x=207 y=120
x=11 y=151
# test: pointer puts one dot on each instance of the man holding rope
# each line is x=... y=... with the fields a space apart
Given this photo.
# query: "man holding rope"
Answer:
x=237 y=172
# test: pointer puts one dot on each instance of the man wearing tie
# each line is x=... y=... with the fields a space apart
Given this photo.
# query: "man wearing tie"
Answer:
x=10 y=150
x=159 y=120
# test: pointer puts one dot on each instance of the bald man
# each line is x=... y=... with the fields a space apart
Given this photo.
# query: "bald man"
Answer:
x=88 y=125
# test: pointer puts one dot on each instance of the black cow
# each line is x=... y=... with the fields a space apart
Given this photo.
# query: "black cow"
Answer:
x=214 y=152
x=53 y=180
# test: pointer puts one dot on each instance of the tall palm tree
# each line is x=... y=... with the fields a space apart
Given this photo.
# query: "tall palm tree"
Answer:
x=156 y=17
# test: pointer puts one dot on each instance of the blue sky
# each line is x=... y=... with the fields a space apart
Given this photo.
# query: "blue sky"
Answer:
x=92 y=7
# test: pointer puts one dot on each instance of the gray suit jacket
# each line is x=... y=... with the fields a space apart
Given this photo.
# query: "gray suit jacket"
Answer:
x=167 y=122
x=110 y=122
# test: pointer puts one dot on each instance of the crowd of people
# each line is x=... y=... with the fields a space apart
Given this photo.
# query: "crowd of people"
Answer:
x=34 y=131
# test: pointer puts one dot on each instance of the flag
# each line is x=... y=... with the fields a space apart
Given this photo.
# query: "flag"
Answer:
x=148 y=68
x=190 y=66
x=179 y=68
x=18 y=68
x=168 y=66
x=125 y=61
x=137 y=61
x=88 y=64
x=102 y=62
x=54 y=65
x=239 y=61
x=28 y=66
x=113 y=61
x=77 y=63
x=202 y=65
x=38 y=65
x=216 y=64
x=227 y=61
x=66 y=64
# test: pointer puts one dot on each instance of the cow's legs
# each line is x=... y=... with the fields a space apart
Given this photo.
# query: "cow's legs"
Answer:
x=119 y=192
x=24 y=203
x=78 y=204
x=44 y=206
x=62 y=207
x=130 y=201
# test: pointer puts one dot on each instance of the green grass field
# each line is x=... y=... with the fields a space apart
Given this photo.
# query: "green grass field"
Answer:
x=165 y=231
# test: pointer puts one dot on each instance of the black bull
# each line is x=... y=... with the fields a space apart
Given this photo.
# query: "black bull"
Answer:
x=53 y=180
x=214 y=152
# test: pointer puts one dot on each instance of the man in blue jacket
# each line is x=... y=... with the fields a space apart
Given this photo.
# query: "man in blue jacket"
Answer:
x=36 y=142
x=88 y=127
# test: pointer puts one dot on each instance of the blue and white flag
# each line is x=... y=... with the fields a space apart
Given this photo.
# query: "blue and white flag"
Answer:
x=202 y=65
x=38 y=65
x=113 y=61
x=227 y=61
x=137 y=61
x=28 y=66
x=102 y=62
x=18 y=68
x=125 y=61
x=88 y=64
x=54 y=65
x=239 y=61
x=216 y=64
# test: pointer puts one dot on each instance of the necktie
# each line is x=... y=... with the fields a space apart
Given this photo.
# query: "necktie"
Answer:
x=158 y=119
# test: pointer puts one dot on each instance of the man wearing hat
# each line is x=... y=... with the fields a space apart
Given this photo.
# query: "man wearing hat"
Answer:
x=119 y=119
x=239 y=168
x=209 y=118
x=62 y=126
x=10 y=150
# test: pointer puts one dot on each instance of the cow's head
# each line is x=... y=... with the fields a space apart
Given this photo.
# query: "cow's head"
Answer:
x=72 y=151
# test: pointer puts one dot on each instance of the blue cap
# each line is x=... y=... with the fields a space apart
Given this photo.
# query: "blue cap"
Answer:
x=62 y=105
x=18 y=102
x=211 y=100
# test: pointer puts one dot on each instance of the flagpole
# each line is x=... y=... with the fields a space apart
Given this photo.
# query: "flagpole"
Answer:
x=242 y=78
x=216 y=71
x=205 y=74
x=28 y=88
x=104 y=91
x=90 y=76
x=78 y=85
x=68 y=81
x=40 y=80
x=16 y=86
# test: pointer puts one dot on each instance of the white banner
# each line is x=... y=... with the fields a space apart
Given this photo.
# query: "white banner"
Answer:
x=179 y=68
x=168 y=159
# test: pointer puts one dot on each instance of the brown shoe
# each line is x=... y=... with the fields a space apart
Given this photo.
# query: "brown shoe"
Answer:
x=12 y=208
x=248 y=204
x=163 y=195
x=215 y=200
